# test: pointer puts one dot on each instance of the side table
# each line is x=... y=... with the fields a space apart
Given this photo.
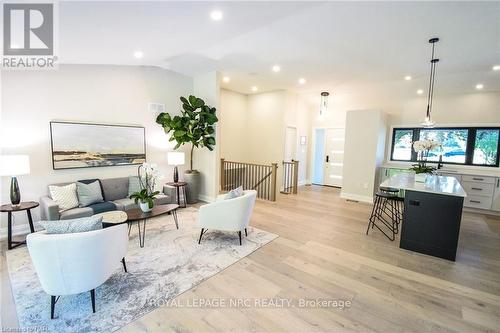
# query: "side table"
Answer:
x=178 y=187
x=9 y=209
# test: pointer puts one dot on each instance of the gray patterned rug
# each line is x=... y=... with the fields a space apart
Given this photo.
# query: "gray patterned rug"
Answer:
x=170 y=263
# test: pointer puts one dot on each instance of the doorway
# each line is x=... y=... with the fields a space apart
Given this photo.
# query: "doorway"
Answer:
x=328 y=158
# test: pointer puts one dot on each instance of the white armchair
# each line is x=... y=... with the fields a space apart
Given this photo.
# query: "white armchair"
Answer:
x=68 y=264
x=228 y=215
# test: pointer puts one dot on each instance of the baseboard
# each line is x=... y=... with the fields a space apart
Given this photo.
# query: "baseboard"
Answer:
x=17 y=230
x=357 y=197
x=303 y=182
x=205 y=198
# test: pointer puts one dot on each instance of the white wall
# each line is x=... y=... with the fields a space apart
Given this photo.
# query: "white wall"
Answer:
x=253 y=127
x=363 y=153
x=86 y=93
x=206 y=87
x=233 y=138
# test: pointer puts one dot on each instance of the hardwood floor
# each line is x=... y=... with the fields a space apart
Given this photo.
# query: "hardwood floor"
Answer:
x=323 y=253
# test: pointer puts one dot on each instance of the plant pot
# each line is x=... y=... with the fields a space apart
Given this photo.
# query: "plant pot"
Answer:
x=193 y=180
x=145 y=207
x=420 y=177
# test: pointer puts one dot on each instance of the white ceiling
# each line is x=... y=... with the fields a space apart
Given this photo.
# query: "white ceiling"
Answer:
x=336 y=46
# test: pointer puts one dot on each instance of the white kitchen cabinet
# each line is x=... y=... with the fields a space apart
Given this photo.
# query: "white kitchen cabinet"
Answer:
x=496 y=196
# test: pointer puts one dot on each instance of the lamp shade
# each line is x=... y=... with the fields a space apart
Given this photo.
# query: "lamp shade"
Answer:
x=175 y=158
x=14 y=165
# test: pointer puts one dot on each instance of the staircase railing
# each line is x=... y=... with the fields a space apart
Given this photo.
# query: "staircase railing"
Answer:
x=290 y=177
x=259 y=177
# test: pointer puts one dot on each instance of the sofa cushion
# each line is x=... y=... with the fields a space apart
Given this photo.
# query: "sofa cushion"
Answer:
x=125 y=204
x=162 y=199
x=102 y=207
x=128 y=204
x=74 y=225
x=65 y=196
x=114 y=188
x=236 y=193
x=89 y=193
x=134 y=185
x=76 y=213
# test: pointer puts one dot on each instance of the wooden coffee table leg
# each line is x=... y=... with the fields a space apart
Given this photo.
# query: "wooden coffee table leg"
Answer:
x=9 y=230
x=174 y=214
x=30 y=220
x=142 y=235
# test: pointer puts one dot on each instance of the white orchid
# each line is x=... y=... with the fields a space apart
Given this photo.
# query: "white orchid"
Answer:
x=148 y=176
x=425 y=145
x=422 y=148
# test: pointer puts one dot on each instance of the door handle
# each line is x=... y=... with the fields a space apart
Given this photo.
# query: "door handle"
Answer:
x=327 y=158
x=414 y=203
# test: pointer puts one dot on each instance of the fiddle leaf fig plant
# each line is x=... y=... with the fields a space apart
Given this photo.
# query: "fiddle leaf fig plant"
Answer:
x=195 y=125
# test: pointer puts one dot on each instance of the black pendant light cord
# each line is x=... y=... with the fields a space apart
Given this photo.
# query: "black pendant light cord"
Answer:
x=430 y=95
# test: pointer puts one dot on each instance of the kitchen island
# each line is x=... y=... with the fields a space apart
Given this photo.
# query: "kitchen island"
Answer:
x=432 y=214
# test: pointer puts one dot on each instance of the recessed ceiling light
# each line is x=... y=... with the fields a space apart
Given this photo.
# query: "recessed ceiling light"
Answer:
x=479 y=86
x=254 y=88
x=407 y=77
x=138 y=54
x=302 y=80
x=276 y=68
x=496 y=68
x=216 y=15
x=420 y=91
x=226 y=79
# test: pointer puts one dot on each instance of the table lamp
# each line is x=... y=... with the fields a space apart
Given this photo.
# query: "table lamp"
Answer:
x=14 y=165
x=175 y=158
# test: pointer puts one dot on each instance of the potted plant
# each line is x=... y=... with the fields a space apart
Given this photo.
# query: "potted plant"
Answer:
x=422 y=148
x=195 y=126
x=145 y=199
x=148 y=175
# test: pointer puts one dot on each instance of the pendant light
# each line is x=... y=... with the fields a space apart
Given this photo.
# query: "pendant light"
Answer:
x=428 y=123
x=324 y=103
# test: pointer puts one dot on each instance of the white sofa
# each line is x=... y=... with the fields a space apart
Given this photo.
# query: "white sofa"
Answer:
x=228 y=215
x=69 y=264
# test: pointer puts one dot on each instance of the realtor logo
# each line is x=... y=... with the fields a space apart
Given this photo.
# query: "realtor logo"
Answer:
x=28 y=36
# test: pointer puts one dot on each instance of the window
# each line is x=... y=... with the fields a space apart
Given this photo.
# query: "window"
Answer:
x=467 y=146
x=486 y=147
x=401 y=149
x=453 y=141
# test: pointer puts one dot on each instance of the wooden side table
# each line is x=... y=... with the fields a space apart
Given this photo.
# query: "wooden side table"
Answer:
x=180 y=186
x=9 y=209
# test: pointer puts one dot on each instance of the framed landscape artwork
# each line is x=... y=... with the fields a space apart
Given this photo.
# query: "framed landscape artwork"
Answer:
x=83 y=145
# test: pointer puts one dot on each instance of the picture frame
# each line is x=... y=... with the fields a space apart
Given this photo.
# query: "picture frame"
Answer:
x=77 y=145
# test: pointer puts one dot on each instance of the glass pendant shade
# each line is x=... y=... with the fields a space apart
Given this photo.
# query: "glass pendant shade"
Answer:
x=323 y=107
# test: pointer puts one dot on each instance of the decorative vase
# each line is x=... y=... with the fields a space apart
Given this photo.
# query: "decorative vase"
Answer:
x=193 y=180
x=420 y=177
x=145 y=207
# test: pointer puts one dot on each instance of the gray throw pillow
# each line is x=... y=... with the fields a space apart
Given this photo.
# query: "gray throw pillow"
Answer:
x=134 y=185
x=237 y=192
x=72 y=226
x=89 y=194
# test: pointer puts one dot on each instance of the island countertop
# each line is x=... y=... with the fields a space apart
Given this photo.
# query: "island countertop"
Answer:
x=433 y=184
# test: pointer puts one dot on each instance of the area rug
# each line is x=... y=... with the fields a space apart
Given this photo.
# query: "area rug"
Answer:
x=170 y=263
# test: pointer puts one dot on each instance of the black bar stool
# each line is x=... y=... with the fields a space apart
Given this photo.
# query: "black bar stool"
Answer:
x=388 y=210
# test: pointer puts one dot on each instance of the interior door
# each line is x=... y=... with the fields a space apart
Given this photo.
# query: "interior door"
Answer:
x=334 y=156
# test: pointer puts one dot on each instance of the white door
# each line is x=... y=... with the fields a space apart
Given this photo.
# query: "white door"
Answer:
x=334 y=156
x=290 y=144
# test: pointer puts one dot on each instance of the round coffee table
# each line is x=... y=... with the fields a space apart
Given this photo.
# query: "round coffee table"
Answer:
x=112 y=218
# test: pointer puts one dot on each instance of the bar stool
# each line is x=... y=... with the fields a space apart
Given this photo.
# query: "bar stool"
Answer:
x=387 y=209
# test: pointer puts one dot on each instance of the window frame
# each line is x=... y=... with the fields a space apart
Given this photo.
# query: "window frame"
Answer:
x=469 y=150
